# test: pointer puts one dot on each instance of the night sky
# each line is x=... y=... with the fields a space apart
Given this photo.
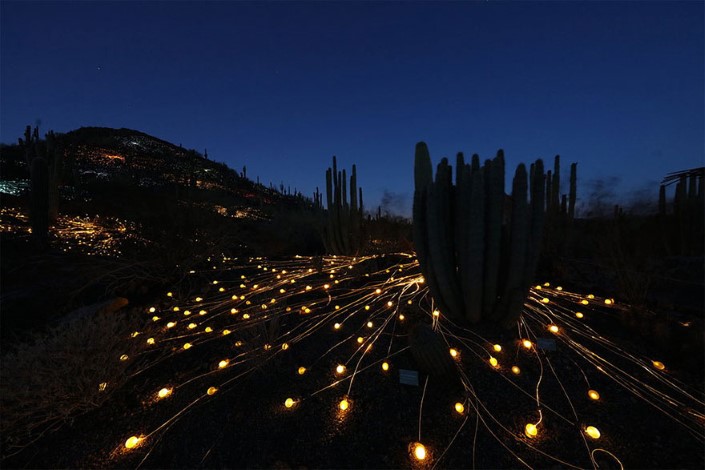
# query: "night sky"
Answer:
x=281 y=87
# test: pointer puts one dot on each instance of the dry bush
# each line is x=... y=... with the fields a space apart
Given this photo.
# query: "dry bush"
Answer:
x=63 y=372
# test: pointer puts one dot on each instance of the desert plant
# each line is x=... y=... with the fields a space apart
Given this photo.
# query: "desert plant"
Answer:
x=62 y=373
x=342 y=233
x=477 y=257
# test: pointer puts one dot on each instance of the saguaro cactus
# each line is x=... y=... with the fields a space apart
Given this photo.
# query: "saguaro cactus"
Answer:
x=459 y=240
x=342 y=234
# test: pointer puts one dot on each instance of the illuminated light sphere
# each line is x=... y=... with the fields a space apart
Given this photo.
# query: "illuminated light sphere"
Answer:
x=609 y=301
x=401 y=317
x=302 y=370
x=124 y=357
x=378 y=291
x=337 y=326
x=289 y=402
x=307 y=310
x=531 y=430
x=526 y=343
x=238 y=343
x=545 y=300
x=165 y=392
x=102 y=386
x=176 y=309
x=222 y=289
x=202 y=312
x=590 y=296
x=516 y=370
x=191 y=326
x=326 y=286
x=309 y=287
x=385 y=366
x=459 y=408
x=593 y=432
x=171 y=324
x=390 y=304
x=245 y=316
x=187 y=345
x=267 y=347
x=659 y=365
x=288 y=309
x=419 y=451
x=215 y=282
x=152 y=309
x=340 y=369
x=579 y=314
x=155 y=318
x=132 y=442
x=546 y=284
x=370 y=324
x=453 y=352
x=150 y=340
x=436 y=313
x=209 y=329
x=187 y=313
x=234 y=297
x=211 y=390
x=344 y=404
x=226 y=332
x=198 y=299
x=497 y=347
x=282 y=291
x=538 y=287
x=494 y=362
x=593 y=394
x=367 y=307
x=169 y=294
x=337 y=307
x=360 y=339
x=223 y=364
x=559 y=288
x=553 y=328
x=285 y=346
x=584 y=302
x=409 y=301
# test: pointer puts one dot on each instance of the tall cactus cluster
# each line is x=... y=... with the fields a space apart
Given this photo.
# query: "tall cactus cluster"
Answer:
x=342 y=233
x=45 y=161
x=477 y=252
x=684 y=228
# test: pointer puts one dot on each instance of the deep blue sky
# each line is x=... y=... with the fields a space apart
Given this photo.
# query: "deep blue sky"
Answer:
x=281 y=87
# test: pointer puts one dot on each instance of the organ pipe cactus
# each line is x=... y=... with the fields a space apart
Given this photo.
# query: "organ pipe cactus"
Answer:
x=342 y=232
x=458 y=236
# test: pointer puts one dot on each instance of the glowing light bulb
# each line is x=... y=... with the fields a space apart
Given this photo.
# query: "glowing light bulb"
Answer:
x=497 y=347
x=169 y=294
x=436 y=313
x=302 y=370
x=401 y=317
x=133 y=441
x=336 y=326
x=545 y=300
x=289 y=402
x=459 y=408
x=202 y=312
x=165 y=392
x=609 y=301
x=659 y=365
x=593 y=394
x=187 y=313
x=340 y=369
x=176 y=309
x=307 y=310
x=593 y=432
x=245 y=316
x=419 y=451
x=187 y=345
x=493 y=362
x=344 y=404
x=152 y=309
x=584 y=302
x=370 y=324
x=546 y=284
x=516 y=370
x=526 y=343
x=124 y=357
x=531 y=430
x=326 y=286
x=155 y=318
x=211 y=390
x=360 y=339
x=590 y=296
x=367 y=307
x=390 y=304
x=198 y=299
x=226 y=332
x=171 y=324
x=191 y=326
x=559 y=288
x=553 y=328
x=285 y=346
x=579 y=314
x=385 y=366
x=150 y=340
x=538 y=287
x=378 y=291
x=209 y=329
x=453 y=352
x=223 y=364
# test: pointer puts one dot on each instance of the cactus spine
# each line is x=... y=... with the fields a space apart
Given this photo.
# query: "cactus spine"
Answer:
x=460 y=249
x=342 y=233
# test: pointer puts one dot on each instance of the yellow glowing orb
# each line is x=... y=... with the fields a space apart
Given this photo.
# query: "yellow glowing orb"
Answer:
x=344 y=404
x=132 y=442
x=390 y=304
x=302 y=370
x=150 y=340
x=326 y=286
x=155 y=318
x=401 y=317
x=590 y=296
x=171 y=324
x=385 y=366
x=559 y=288
x=593 y=432
x=191 y=326
x=226 y=332
x=124 y=357
x=211 y=390
x=453 y=352
x=497 y=347
x=546 y=284
x=285 y=346
x=215 y=282
x=238 y=343
x=340 y=369
x=152 y=309
x=545 y=300
x=609 y=301
x=526 y=343
x=659 y=365
x=531 y=430
x=370 y=324
x=538 y=287
x=378 y=291
x=307 y=310
x=223 y=364
x=553 y=328
x=494 y=362
x=516 y=370
x=289 y=402
x=176 y=309
x=209 y=329
x=245 y=316
x=367 y=307
x=336 y=326
x=198 y=299
x=187 y=313
x=460 y=408
x=593 y=394
x=584 y=302
x=419 y=451
x=202 y=312
x=169 y=294
x=436 y=313
x=360 y=339
x=163 y=393
x=187 y=345
x=579 y=314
